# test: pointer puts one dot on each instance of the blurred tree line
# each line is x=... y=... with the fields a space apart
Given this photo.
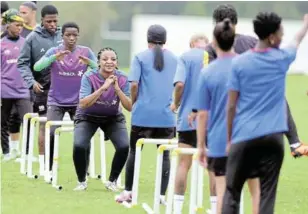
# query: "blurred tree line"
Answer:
x=92 y=16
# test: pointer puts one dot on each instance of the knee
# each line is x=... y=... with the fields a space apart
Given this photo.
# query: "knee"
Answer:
x=185 y=162
x=80 y=143
x=124 y=149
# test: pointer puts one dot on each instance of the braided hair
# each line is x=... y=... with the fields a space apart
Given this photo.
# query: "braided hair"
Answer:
x=100 y=53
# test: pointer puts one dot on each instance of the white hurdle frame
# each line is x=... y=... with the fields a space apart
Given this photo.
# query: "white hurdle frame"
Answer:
x=193 y=207
x=25 y=127
x=55 y=165
x=158 y=177
x=33 y=122
x=139 y=145
x=103 y=175
x=47 y=177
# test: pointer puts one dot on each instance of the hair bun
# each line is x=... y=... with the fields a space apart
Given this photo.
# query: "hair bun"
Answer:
x=226 y=23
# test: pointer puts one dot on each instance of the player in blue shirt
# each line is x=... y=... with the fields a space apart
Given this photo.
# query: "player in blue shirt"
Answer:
x=101 y=93
x=212 y=99
x=186 y=77
x=151 y=78
x=256 y=113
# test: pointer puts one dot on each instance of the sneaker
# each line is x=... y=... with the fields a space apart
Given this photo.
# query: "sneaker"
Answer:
x=7 y=157
x=125 y=196
x=162 y=200
x=300 y=150
x=15 y=153
x=112 y=186
x=81 y=186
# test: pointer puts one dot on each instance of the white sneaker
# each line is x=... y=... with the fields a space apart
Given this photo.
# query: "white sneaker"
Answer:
x=34 y=159
x=162 y=200
x=112 y=186
x=81 y=186
x=7 y=157
x=14 y=153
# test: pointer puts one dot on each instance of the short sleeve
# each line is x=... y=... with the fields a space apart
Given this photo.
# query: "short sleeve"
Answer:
x=135 y=70
x=92 y=56
x=125 y=88
x=290 y=53
x=203 y=92
x=180 y=74
x=233 y=81
x=85 y=88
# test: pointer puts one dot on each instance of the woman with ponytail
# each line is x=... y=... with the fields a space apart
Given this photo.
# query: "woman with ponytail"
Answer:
x=151 y=77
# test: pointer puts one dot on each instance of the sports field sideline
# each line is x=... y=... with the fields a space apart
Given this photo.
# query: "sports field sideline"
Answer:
x=23 y=196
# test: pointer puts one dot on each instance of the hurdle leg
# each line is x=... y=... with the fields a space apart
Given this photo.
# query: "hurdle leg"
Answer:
x=171 y=184
x=55 y=165
x=31 y=148
x=103 y=175
x=24 y=143
x=92 y=160
x=136 y=175
x=159 y=171
x=193 y=187
x=200 y=188
x=242 y=203
x=47 y=177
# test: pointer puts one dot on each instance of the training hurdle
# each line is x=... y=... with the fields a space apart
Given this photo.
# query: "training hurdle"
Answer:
x=25 y=127
x=33 y=122
x=139 y=145
x=92 y=173
x=48 y=125
x=159 y=162
x=196 y=199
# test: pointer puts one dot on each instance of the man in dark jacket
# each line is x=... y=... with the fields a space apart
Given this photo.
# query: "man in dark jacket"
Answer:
x=43 y=37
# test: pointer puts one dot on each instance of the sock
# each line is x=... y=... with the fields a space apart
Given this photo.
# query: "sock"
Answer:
x=42 y=164
x=178 y=201
x=213 y=200
x=14 y=145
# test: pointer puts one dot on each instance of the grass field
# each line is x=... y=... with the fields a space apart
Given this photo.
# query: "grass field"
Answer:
x=23 y=196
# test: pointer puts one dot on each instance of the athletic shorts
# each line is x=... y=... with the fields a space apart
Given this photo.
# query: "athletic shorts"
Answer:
x=138 y=132
x=217 y=165
x=40 y=108
x=188 y=137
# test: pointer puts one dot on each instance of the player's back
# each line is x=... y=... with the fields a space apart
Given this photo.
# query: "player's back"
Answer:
x=215 y=86
x=155 y=90
x=260 y=79
x=189 y=67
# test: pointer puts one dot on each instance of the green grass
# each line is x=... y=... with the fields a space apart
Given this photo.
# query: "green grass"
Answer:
x=23 y=196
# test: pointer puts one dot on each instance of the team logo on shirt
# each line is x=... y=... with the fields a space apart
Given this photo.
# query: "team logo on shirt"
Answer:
x=7 y=52
x=42 y=50
x=80 y=73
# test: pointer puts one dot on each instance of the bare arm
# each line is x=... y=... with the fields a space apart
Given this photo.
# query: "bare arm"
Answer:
x=92 y=98
x=231 y=109
x=302 y=32
x=134 y=92
x=125 y=101
x=178 y=92
x=202 y=128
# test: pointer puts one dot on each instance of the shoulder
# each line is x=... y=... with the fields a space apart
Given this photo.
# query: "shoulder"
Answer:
x=89 y=73
x=122 y=74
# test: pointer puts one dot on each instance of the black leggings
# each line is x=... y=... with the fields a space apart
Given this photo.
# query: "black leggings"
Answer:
x=22 y=106
x=138 y=132
x=114 y=128
x=258 y=158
